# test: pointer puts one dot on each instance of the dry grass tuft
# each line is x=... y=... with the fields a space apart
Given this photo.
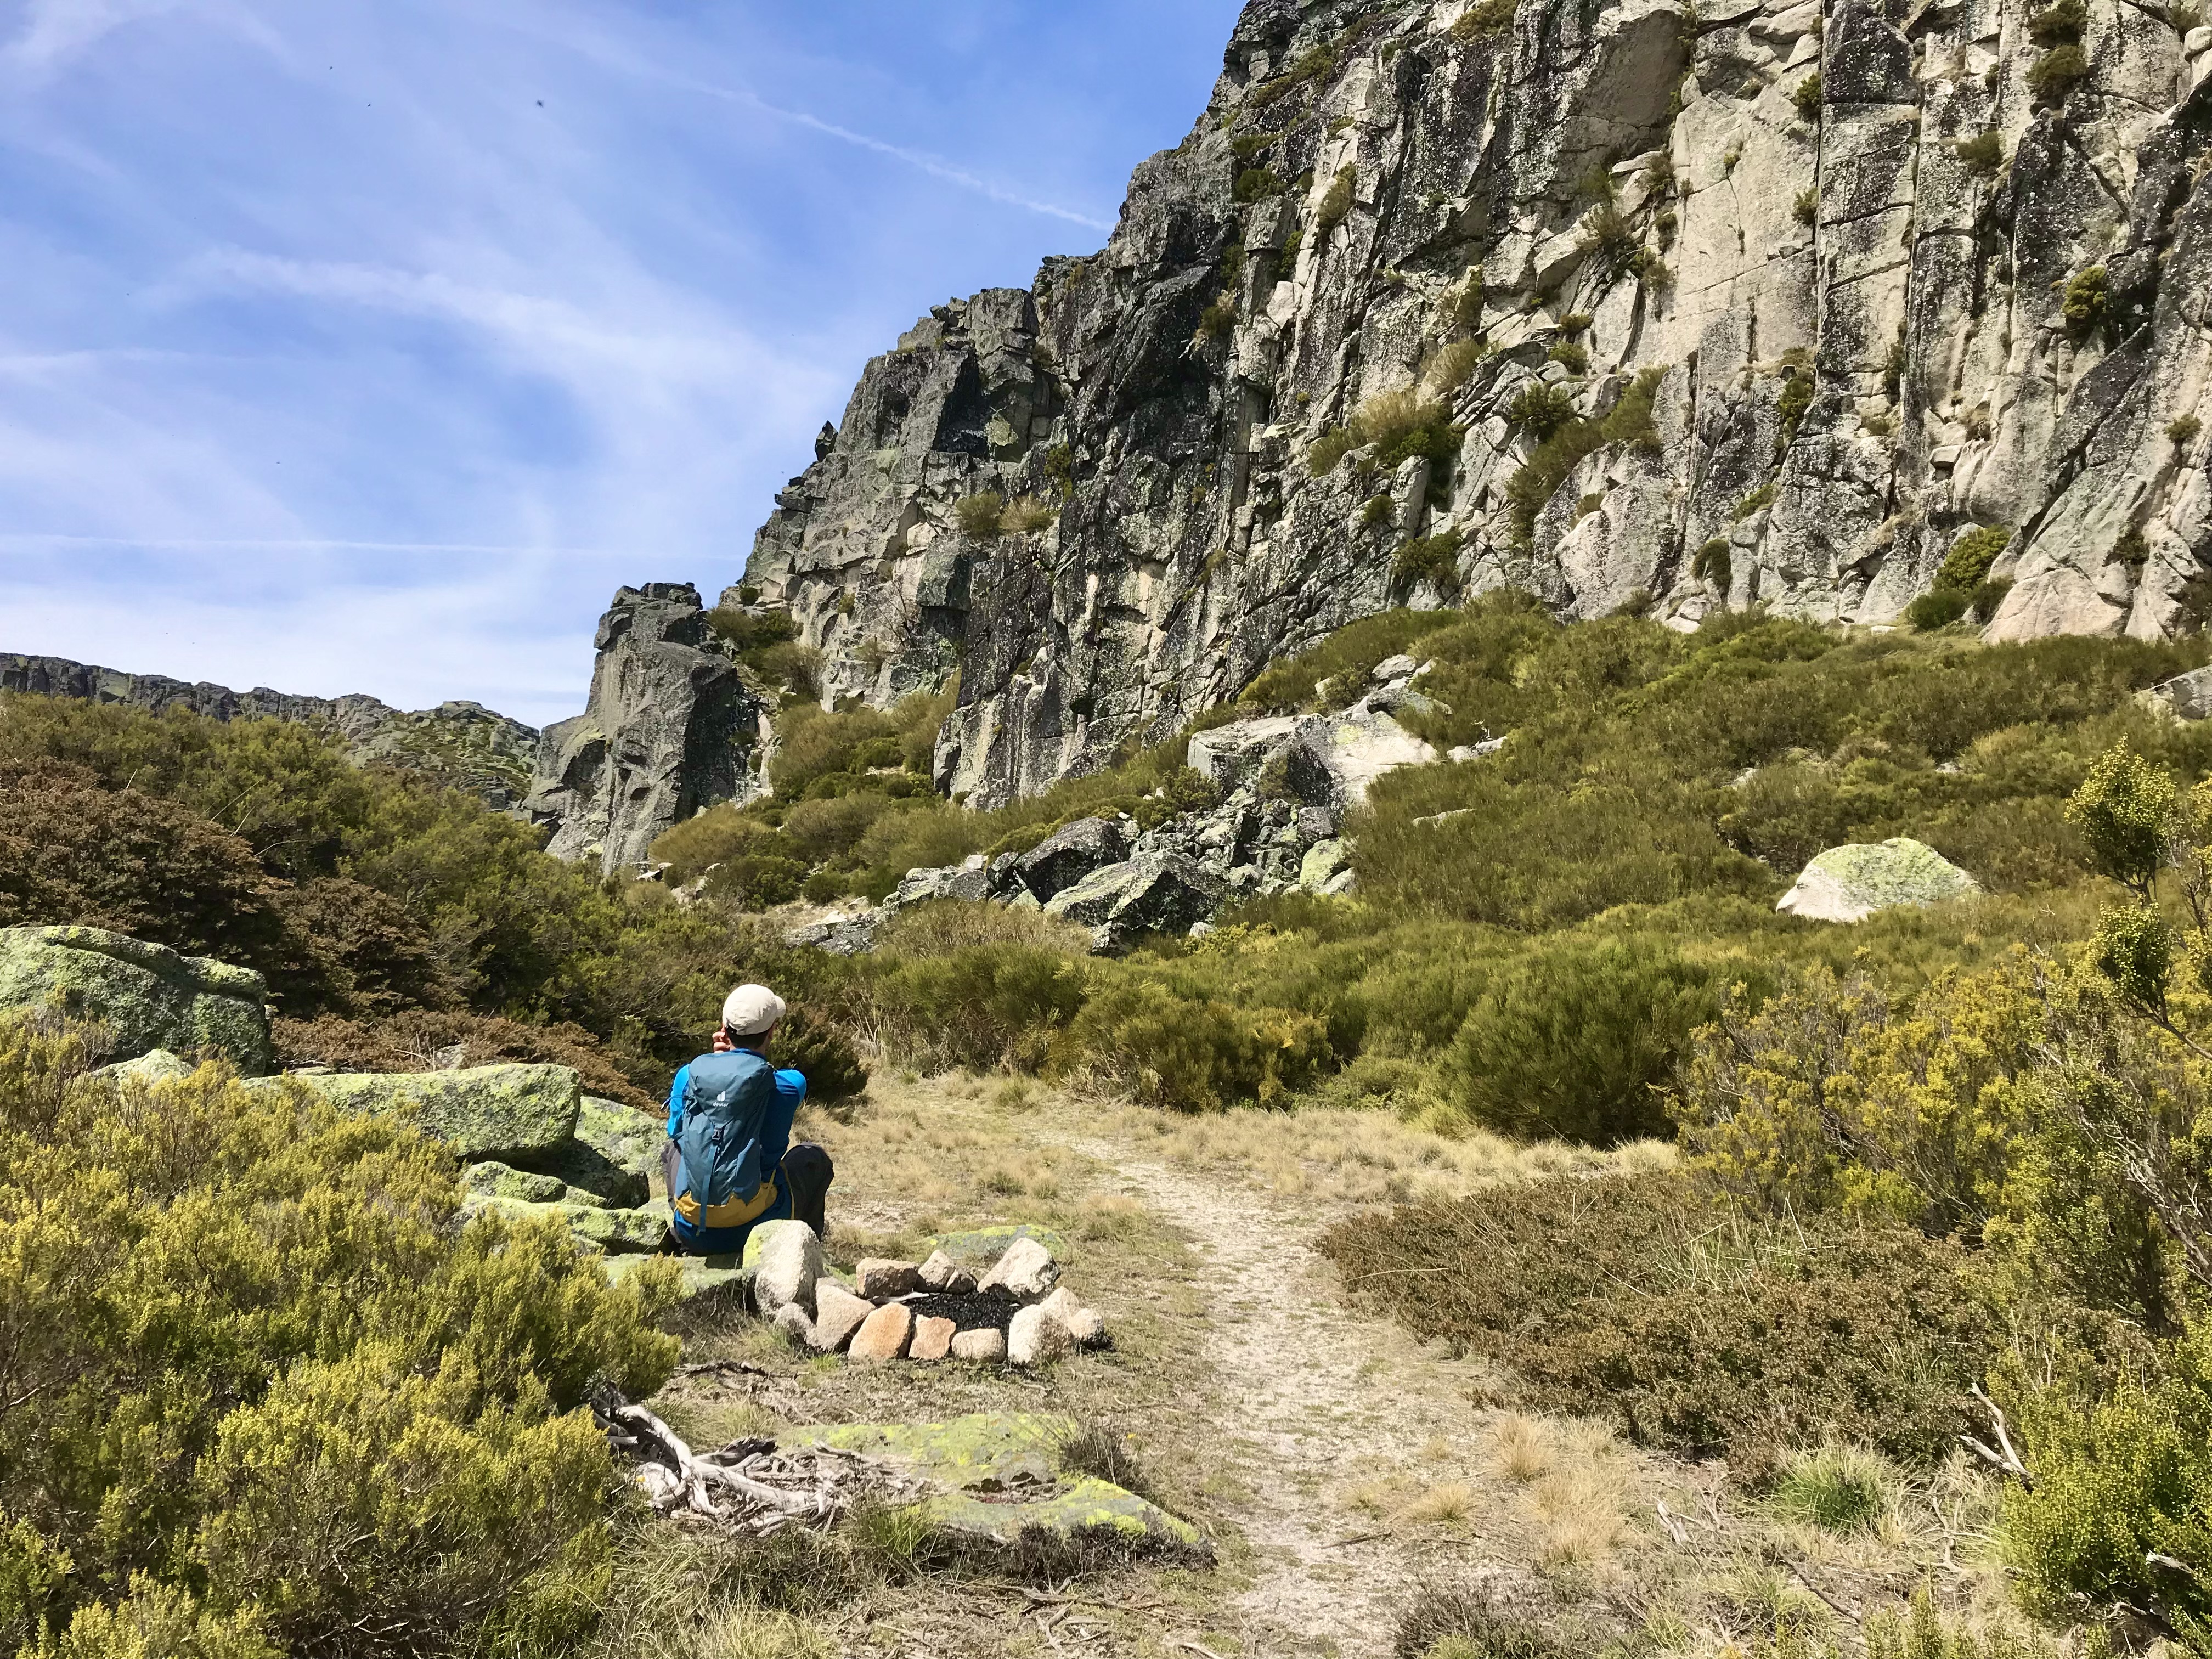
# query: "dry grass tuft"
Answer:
x=1523 y=1448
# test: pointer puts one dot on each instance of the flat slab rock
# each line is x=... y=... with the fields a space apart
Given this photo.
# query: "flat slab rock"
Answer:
x=1850 y=883
x=510 y=1112
x=991 y=1462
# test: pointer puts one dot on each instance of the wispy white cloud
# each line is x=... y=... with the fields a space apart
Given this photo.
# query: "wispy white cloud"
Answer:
x=935 y=166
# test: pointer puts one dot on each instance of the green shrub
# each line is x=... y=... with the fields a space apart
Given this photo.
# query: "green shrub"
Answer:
x=1377 y=512
x=1540 y=408
x=1937 y=610
x=250 y=1332
x=1430 y=559
x=1194 y=1056
x=1688 y=1328
x=1326 y=451
x=1577 y=1041
x=1025 y=513
x=2059 y=24
x=1711 y=564
x=1835 y=1488
x=1806 y=99
x=1806 y=210
x=1983 y=152
x=1572 y=357
x=1484 y=18
x=1538 y=478
x=1256 y=184
x=2055 y=75
x=2182 y=430
x=979 y=1005
x=1966 y=566
x=1405 y=424
x=2088 y=300
x=1453 y=367
x=1336 y=200
x=1610 y=240
x=979 y=516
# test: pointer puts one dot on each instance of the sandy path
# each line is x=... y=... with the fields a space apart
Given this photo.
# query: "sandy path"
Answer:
x=1313 y=1400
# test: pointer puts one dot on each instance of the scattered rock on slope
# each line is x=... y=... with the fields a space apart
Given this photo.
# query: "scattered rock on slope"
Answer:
x=1850 y=883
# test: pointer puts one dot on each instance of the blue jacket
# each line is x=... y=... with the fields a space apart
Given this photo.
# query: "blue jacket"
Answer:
x=774 y=1141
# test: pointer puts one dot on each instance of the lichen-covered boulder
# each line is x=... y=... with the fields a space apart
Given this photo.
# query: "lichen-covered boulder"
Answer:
x=983 y=1458
x=148 y=995
x=613 y=1160
x=158 y=1067
x=510 y=1113
x=1850 y=883
x=493 y=1179
x=618 y=1232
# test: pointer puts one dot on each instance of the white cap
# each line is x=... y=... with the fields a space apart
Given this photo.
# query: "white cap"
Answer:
x=749 y=1010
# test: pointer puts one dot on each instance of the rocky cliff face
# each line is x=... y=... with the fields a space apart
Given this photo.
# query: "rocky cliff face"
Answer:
x=462 y=745
x=673 y=726
x=1628 y=305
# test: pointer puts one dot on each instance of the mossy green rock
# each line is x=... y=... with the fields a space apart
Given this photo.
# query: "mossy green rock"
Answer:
x=1850 y=883
x=704 y=1282
x=980 y=1246
x=510 y=1112
x=1090 y=1506
x=148 y=995
x=967 y=1451
x=991 y=1452
x=159 y=1066
x=495 y=1180
x=618 y=1232
x=611 y=1159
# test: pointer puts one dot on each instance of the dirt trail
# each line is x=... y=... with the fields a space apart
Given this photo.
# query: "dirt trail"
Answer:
x=1313 y=1400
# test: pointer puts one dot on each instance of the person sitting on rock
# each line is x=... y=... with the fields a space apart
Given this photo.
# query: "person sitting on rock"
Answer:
x=729 y=1160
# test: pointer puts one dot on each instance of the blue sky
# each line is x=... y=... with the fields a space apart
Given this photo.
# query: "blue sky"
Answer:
x=369 y=345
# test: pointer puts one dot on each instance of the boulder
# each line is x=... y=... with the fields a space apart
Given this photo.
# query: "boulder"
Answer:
x=506 y=1112
x=1233 y=754
x=496 y=1180
x=880 y=1280
x=2186 y=697
x=792 y=1319
x=1071 y=852
x=1026 y=1271
x=882 y=1334
x=1328 y=760
x=969 y=883
x=1158 y=892
x=148 y=996
x=618 y=1232
x=837 y=1314
x=702 y=1281
x=1850 y=883
x=978 y=1248
x=941 y=1273
x=1084 y=1326
x=613 y=1158
x=1323 y=862
x=1036 y=1337
x=786 y=1258
x=158 y=1067
x=932 y=1339
x=1400 y=667
x=984 y=1348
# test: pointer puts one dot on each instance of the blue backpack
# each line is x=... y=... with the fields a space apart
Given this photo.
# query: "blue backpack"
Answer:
x=718 y=1137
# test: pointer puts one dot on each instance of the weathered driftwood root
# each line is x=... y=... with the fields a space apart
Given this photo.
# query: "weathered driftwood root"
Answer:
x=749 y=1484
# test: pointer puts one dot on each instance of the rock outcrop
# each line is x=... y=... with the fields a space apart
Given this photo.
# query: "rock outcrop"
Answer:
x=462 y=745
x=1630 y=306
x=673 y=726
x=1850 y=883
x=147 y=996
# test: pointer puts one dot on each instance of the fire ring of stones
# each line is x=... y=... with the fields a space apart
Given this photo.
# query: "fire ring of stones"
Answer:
x=1018 y=1312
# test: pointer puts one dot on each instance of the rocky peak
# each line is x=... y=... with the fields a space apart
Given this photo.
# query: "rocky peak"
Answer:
x=1630 y=306
x=672 y=726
